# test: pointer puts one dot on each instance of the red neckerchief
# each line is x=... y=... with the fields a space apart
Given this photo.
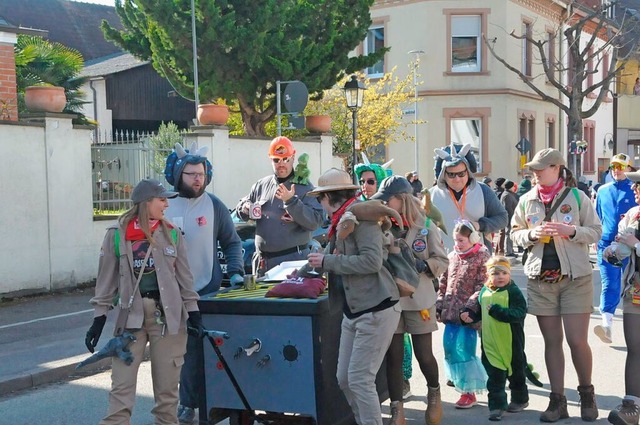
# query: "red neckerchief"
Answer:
x=547 y=193
x=335 y=217
x=471 y=251
x=394 y=222
x=134 y=231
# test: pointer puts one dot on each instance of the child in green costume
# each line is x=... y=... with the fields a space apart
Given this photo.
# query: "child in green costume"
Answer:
x=502 y=308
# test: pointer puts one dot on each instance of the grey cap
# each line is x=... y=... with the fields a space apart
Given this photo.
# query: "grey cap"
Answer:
x=148 y=189
x=392 y=185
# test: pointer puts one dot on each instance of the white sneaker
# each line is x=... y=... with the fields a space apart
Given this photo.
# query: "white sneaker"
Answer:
x=604 y=333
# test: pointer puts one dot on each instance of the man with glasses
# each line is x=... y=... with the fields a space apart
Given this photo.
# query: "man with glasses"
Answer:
x=612 y=203
x=459 y=195
x=205 y=222
x=284 y=215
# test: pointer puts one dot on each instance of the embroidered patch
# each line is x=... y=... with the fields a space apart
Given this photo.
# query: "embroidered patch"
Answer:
x=424 y=232
x=567 y=219
x=169 y=250
x=565 y=208
x=419 y=245
x=533 y=219
x=202 y=221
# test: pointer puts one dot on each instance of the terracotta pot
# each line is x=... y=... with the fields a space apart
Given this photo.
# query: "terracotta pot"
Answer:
x=45 y=98
x=318 y=123
x=211 y=114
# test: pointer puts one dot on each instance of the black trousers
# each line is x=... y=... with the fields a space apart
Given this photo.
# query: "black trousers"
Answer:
x=496 y=383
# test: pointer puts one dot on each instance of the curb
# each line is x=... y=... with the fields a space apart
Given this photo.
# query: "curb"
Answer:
x=46 y=376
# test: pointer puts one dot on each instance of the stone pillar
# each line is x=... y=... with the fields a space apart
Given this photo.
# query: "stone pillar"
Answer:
x=8 y=92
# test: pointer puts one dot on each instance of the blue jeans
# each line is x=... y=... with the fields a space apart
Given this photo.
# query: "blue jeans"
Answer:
x=611 y=277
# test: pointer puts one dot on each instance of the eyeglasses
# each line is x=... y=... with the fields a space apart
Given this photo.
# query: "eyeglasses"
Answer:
x=458 y=174
x=618 y=167
x=370 y=182
x=195 y=175
x=279 y=160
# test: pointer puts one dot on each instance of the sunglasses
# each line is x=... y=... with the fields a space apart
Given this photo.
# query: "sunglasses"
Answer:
x=618 y=167
x=458 y=174
x=370 y=182
x=279 y=160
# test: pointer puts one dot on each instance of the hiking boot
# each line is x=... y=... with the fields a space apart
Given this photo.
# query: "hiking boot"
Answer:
x=516 y=407
x=627 y=413
x=496 y=415
x=186 y=415
x=406 y=389
x=557 y=409
x=433 y=414
x=397 y=414
x=604 y=333
x=467 y=401
x=588 y=408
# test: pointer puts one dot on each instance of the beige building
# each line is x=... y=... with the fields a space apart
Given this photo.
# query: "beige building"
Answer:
x=466 y=94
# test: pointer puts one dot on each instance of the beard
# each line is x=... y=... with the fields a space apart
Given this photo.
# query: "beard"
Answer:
x=185 y=191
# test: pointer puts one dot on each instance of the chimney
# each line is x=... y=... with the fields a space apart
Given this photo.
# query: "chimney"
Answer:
x=8 y=92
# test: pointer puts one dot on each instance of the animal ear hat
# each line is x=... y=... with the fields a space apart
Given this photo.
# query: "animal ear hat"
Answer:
x=381 y=171
x=452 y=155
x=180 y=157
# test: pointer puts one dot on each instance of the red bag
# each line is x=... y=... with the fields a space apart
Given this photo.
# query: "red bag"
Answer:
x=298 y=287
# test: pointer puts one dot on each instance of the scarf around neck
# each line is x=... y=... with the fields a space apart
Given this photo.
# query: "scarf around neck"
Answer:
x=547 y=193
x=134 y=231
x=335 y=217
x=474 y=249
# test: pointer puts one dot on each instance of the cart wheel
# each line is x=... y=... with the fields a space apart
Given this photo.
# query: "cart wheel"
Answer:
x=240 y=417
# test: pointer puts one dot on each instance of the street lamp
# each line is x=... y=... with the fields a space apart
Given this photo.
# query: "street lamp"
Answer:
x=354 y=95
x=416 y=64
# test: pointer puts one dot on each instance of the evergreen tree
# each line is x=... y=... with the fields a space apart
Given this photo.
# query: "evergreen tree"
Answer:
x=244 y=47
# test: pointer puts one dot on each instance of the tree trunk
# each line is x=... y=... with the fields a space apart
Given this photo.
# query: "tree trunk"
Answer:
x=254 y=122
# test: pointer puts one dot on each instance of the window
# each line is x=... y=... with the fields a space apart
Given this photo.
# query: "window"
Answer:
x=468 y=131
x=526 y=49
x=465 y=43
x=551 y=53
x=550 y=131
x=588 y=158
x=372 y=43
x=527 y=127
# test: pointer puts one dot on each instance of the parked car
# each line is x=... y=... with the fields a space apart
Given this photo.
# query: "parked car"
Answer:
x=247 y=231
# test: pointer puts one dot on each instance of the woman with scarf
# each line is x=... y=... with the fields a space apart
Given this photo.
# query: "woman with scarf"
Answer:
x=365 y=289
x=143 y=264
x=418 y=311
x=556 y=223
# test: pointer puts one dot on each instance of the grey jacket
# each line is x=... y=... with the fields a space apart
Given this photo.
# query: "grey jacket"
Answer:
x=576 y=209
x=358 y=260
x=175 y=281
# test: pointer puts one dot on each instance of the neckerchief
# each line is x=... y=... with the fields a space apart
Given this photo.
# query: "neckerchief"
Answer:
x=463 y=200
x=470 y=251
x=335 y=217
x=547 y=193
x=134 y=231
x=395 y=223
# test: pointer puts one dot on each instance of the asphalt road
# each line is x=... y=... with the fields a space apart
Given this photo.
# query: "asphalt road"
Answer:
x=38 y=335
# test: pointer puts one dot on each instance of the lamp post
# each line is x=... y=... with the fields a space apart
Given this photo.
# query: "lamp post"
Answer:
x=416 y=64
x=354 y=95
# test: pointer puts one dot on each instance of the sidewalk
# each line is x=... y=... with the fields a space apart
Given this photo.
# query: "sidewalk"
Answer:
x=42 y=339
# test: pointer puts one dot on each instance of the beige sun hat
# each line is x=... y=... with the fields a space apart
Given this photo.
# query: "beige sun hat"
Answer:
x=545 y=158
x=331 y=180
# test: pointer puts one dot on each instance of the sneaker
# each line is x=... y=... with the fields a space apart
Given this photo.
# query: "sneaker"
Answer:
x=467 y=401
x=628 y=413
x=516 y=407
x=604 y=333
x=495 y=415
x=186 y=415
x=406 y=389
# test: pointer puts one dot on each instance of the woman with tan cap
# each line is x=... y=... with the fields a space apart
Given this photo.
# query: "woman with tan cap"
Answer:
x=365 y=289
x=556 y=222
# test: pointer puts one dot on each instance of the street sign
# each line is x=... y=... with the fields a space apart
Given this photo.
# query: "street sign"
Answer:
x=296 y=96
x=523 y=146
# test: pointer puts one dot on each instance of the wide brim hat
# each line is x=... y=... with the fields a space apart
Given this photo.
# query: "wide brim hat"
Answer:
x=546 y=158
x=633 y=176
x=331 y=180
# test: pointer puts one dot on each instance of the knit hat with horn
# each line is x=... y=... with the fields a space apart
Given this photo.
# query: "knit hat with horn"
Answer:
x=180 y=157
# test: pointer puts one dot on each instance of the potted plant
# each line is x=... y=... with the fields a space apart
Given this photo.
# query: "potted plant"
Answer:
x=45 y=98
x=216 y=113
x=317 y=116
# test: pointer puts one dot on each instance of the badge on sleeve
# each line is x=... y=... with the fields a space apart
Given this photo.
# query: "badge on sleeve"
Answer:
x=565 y=208
x=567 y=219
x=424 y=232
x=419 y=245
x=169 y=250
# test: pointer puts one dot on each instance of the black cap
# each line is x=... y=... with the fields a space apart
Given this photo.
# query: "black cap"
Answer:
x=500 y=181
x=148 y=189
x=392 y=185
x=487 y=180
x=508 y=184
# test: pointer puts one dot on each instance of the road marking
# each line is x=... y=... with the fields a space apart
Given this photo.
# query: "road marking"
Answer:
x=42 y=319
